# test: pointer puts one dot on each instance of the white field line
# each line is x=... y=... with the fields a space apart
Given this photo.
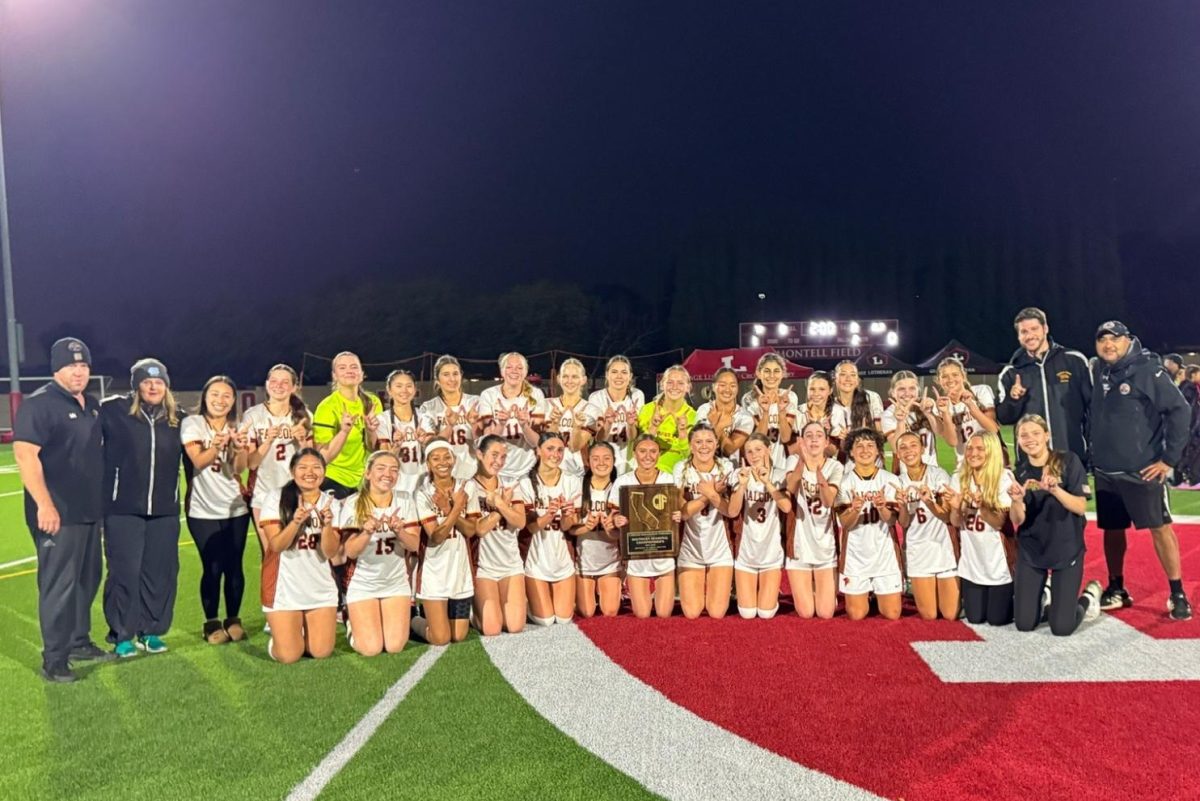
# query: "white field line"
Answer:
x=357 y=737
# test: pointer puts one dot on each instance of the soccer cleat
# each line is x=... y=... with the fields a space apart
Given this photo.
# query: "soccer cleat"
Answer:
x=1179 y=607
x=1092 y=592
x=58 y=673
x=91 y=653
x=125 y=649
x=1115 y=598
x=151 y=644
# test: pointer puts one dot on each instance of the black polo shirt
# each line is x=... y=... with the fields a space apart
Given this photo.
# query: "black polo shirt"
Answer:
x=72 y=452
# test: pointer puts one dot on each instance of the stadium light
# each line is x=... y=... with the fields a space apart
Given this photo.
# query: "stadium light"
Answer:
x=10 y=312
x=878 y=327
x=892 y=339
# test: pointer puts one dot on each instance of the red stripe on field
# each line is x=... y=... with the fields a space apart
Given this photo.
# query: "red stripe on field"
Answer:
x=854 y=700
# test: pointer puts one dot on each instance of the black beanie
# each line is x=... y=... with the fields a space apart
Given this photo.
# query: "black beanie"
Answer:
x=147 y=368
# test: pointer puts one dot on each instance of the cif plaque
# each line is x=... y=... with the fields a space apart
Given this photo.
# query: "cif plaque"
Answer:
x=651 y=531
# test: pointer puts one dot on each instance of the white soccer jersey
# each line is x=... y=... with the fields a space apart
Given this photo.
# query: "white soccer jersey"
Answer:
x=644 y=568
x=752 y=407
x=402 y=434
x=873 y=401
x=741 y=421
x=563 y=420
x=298 y=578
x=499 y=554
x=963 y=420
x=761 y=545
x=870 y=551
x=272 y=472
x=549 y=558
x=445 y=567
x=814 y=540
x=626 y=413
x=432 y=415
x=521 y=455
x=704 y=541
x=927 y=546
x=928 y=440
x=837 y=422
x=982 y=558
x=596 y=552
x=214 y=493
x=381 y=570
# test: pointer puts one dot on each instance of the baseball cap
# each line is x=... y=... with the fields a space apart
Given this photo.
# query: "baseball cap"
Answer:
x=1114 y=327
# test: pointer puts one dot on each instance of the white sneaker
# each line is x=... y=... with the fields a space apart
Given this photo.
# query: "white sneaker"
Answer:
x=1092 y=593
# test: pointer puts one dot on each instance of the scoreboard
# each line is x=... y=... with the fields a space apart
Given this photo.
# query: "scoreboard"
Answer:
x=820 y=339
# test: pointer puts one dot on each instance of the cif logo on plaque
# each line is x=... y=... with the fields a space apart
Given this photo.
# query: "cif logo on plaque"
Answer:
x=651 y=532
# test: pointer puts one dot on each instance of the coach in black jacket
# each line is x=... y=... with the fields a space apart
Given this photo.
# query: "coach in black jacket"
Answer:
x=1046 y=379
x=142 y=454
x=1139 y=426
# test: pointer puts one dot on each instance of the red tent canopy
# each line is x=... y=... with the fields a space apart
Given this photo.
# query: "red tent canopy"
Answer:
x=702 y=364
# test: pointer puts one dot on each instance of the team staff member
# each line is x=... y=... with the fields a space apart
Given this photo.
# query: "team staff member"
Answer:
x=1046 y=379
x=142 y=452
x=1139 y=426
x=57 y=447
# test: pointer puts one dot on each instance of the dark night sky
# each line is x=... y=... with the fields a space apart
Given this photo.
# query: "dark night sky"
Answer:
x=161 y=154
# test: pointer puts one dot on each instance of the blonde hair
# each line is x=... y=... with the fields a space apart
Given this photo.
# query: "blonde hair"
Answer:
x=363 y=506
x=674 y=368
x=1054 y=462
x=954 y=363
x=619 y=359
x=987 y=478
x=169 y=406
x=573 y=362
x=367 y=400
x=526 y=387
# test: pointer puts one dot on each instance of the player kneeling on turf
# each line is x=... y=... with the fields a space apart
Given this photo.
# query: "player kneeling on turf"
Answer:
x=759 y=499
x=299 y=595
x=376 y=526
x=1054 y=488
x=866 y=507
x=444 y=584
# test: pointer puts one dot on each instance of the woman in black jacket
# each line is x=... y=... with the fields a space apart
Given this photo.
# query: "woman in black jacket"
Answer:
x=141 y=522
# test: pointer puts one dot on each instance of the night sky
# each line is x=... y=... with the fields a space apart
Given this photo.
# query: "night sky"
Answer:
x=167 y=154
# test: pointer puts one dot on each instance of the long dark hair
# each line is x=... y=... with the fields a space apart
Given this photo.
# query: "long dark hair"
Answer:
x=299 y=411
x=202 y=409
x=543 y=438
x=860 y=405
x=289 y=496
x=587 y=471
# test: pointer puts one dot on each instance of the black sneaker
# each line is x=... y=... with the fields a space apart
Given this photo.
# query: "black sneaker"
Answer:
x=1115 y=598
x=91 y=653
x=1179 y=607
x=58 y=673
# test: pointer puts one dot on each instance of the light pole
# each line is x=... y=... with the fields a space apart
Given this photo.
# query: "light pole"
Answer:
x=10 y=308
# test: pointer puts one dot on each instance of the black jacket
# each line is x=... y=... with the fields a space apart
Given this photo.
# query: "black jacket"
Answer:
x=1138 y=416
x=141 y=460
x=1058 y=387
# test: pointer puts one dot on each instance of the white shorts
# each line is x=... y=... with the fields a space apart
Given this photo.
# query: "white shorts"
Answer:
x=498 y=575
x=650 y=568
x=756 y=570
x=941 y=574
x=796 y=564
x=891 y=584
x=687 y=565
x=535 y=572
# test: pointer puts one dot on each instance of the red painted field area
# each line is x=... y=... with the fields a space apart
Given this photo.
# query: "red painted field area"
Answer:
x=856 y=701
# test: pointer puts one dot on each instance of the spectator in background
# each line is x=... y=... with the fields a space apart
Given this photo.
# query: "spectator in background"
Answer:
x=58 y=450
x=1173 y=364
x=1139 y=426
x=1046 y=379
